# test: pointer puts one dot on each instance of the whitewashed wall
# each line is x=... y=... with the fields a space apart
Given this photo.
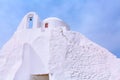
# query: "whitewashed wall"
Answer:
x=57 y=51
x=74 y=57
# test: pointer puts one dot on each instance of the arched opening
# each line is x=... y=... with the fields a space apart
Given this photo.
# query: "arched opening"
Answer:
x=30 y=21
x=46 y=25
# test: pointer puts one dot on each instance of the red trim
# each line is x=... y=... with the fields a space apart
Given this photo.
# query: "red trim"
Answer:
x=46 y=25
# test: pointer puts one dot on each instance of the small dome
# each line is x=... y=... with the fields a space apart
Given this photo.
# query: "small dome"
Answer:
x=52 y=19
x=54 y=22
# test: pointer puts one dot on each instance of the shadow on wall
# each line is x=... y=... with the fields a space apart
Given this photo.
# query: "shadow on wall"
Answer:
x=31 y=64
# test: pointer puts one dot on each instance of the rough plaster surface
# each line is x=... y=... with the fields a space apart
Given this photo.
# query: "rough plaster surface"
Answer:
x=74 y=57
x=57 y=51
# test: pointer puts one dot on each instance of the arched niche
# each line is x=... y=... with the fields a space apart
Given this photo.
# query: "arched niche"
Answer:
x=30 y=20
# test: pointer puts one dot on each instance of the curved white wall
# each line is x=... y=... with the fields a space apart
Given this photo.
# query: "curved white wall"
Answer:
x=54 y=22
x=31 y=64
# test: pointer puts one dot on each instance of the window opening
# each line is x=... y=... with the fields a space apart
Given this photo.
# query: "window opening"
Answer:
x=46 y=25
x=30 y=22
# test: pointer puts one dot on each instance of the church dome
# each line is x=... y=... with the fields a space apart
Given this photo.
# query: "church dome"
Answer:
x=54 y=22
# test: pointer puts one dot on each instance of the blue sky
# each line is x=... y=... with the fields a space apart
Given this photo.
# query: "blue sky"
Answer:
x=99 y=20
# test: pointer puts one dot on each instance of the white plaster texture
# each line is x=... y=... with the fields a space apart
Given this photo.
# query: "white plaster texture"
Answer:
x=74 y=57
x=22 y=55
x=57 y=51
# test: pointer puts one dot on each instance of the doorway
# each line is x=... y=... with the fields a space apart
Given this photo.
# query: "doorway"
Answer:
x=40 y=77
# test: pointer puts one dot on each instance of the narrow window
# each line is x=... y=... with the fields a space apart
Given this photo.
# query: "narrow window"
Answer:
x=46 y=25
x=30 y=22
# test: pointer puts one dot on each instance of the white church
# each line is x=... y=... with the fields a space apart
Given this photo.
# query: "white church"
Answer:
x=49 y=50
